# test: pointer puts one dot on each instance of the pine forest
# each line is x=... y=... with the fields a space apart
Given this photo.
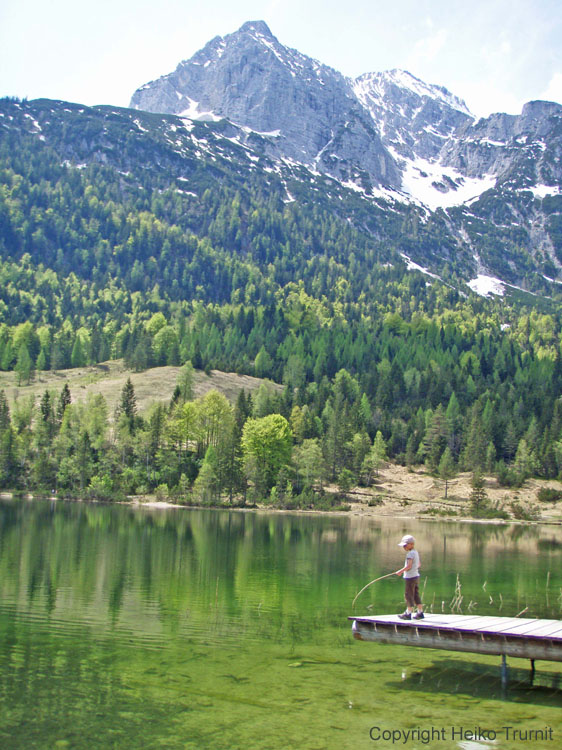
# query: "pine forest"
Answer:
x=362 y=358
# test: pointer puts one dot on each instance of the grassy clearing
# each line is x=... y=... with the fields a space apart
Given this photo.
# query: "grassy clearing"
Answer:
x=108 y=378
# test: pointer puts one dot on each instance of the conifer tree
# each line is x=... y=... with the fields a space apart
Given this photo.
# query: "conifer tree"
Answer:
x=85 y=457
x=454 y=425
x=510 y=442
x=9 y=464
x=46 y=426
x=490 y=460
x=447 y=468
x=185 y=381
x=57 y=357
x=411 y=448
x=435 y=439
x=474 y=456
x=378 y=452
x=478 y=495
x=4 y=411
x=242 y=409
x=206 y=488
x=7 y=360
x=263 y=364
x=127 y=407
x=65 y=400
x=24 y=367
x=525 y=460
x=78 y=355
x=41 y=363
x=230 y=462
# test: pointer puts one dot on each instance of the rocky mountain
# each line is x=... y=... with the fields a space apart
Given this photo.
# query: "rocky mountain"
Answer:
x=363 y=131
x=412 y=117
x=387 y=135
x=308 y=110
x=401 y=162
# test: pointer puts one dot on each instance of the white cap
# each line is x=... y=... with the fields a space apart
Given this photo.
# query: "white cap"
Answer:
x=408 y=539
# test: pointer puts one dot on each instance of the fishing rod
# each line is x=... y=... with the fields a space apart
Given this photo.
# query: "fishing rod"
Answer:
x=370 y=584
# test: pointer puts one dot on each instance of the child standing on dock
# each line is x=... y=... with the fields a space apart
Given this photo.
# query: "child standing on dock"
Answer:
x=411 y=571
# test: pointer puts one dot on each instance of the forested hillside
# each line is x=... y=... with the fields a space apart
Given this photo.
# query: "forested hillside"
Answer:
x=114 y=245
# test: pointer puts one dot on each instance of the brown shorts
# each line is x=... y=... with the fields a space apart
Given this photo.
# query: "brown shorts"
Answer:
x=412 y=592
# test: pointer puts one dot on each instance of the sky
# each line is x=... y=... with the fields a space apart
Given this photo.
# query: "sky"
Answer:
x=494 y=54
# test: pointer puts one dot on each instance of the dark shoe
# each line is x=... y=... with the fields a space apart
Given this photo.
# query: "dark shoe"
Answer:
x=405 y=616
x=418 y=616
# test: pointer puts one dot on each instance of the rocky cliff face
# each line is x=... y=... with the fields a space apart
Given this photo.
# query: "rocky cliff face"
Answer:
x=387 y=136
x=505 y=145
x=414 y=118
x=386 y=132
x=308 y=110
x=524 y=206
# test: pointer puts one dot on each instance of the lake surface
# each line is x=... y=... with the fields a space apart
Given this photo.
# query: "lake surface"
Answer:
x=131 y=628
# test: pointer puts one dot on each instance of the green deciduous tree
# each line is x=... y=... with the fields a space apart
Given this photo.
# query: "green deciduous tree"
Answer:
x=214 y=418
x=266 y=445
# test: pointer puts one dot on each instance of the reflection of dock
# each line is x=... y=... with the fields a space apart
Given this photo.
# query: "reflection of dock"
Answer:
x=504 y=636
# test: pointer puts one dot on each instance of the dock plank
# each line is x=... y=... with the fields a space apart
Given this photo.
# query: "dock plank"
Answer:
x=531 y=638
x=513 y=627
x=542 y=628
x=483 y=622
x=476 y=624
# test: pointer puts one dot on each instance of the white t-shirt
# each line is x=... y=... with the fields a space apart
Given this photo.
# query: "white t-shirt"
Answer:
x=414 y=571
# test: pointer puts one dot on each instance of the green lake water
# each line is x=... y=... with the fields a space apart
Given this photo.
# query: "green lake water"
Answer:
x=131 y=628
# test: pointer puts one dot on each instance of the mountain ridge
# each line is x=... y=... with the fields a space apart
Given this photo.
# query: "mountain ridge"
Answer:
x=370 y=130
x=167 y=152
x=408 y=165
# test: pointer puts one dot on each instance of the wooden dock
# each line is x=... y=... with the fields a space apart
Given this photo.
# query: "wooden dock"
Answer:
x=505 y=636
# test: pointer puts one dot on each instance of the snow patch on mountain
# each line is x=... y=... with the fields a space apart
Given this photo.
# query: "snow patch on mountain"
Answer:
x=487 y=285
x=193 y=113
x=542 y=191
x=436 y=186
x=412 y=266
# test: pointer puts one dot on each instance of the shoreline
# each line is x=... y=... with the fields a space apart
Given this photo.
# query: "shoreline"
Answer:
x=356 y=510
x=396 y=492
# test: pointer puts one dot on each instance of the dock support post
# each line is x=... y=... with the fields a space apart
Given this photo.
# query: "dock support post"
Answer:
x=504 y=672
x=532 y=671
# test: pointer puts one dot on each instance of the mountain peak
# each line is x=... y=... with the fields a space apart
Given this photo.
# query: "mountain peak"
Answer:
x=403 y=79
x=259 y=27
